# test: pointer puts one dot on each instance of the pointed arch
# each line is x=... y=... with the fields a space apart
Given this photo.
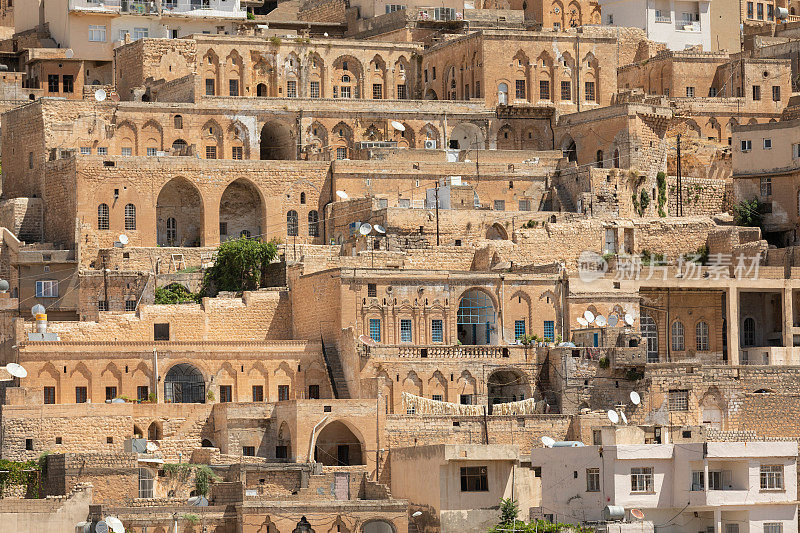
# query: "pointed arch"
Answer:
x=437 y=385
x=126 y=137
x=179 y=214
x=234 y=73
x=211 y=73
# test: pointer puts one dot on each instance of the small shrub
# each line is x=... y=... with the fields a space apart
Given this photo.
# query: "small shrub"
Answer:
x=604 y=362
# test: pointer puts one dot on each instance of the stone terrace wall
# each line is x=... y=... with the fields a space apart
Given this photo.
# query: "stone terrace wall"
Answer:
x=700 y=196
x=23 y=217
x=152 y=59
x=259 y=315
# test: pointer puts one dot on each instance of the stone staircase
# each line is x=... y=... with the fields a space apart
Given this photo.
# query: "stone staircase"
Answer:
x=335 y=372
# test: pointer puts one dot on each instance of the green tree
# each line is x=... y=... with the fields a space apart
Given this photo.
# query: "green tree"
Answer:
x=749 y=214
x=174 y=293
x=240 y=266
x=508 y=511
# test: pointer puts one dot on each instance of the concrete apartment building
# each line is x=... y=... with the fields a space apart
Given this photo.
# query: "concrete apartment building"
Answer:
x=713 y=486
x=679 y=25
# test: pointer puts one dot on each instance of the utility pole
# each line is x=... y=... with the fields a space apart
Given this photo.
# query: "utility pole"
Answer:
x=437 y=212
x=679 y=207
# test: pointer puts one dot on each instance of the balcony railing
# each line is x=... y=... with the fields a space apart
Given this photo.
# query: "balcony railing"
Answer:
x=664 y=18
x=438 y=351
x=687 y=25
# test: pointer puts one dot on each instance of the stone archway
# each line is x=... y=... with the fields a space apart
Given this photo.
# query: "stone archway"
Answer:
x=179 y=214
x=476 y=318
x=338 y=445
x=184 y=383
x=241 y=211
x=277 y=142
x=507 y=385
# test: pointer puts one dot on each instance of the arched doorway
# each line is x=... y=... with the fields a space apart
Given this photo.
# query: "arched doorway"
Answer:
x=240 y=211
x=337 y=445
x=496 y=232
x=179 y=214
x=507 y=385
x=502 y=94
x=466 y=136
x=184 y=383
x=569 y=148
x=277 y=142
x=650 y=334
x=476 y=318
x=179 y=147
x=378 y=526
x=261 y=89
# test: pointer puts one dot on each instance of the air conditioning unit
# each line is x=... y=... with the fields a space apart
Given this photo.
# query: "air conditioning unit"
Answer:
x=430 y=144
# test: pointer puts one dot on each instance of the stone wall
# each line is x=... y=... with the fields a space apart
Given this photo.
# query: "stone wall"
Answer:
x=23 y=217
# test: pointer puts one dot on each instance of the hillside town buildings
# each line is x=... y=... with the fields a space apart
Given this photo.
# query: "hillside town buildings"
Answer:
x=539 y=252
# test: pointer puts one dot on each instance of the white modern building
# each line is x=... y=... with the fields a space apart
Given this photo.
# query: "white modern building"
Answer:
x=93 y=28
x=679 y=24
x=714 y=487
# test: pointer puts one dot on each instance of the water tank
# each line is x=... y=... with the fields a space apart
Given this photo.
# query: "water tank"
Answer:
x=782 y=13
x=567 y=444
x=613 y=513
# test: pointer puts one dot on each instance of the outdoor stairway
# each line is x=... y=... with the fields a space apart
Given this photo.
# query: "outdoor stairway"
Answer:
x=335 y=372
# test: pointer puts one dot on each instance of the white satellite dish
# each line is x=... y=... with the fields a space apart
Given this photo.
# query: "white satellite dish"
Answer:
x=379 y=229
x=613 y=320
x=325 y=34
x=115 y=524
x=151 y=447
x=635 y=398
x=342 y=195
x=624 y=418
x=38 y=309
x=398 y=126
x=613 y=416
x=548 y=441
x=123 y=238
x=600 y=320
x=589 y=316
x=629 y=319
x=197 y=501
x=69 y=53
x=100 y=95
x=365 y=229
x=18 y=371
x=582 y=321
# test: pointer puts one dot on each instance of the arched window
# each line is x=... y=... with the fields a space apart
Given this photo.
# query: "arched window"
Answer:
x=178 y=121
x=701 y=334
x=102 y=216
x=502 y=94
x=184 y=384
x=291 y=223
x=600 y=158
x=313 y=224
x=245 y=233
x=650 y=332
x=345 y=79
x=678 y=344
x=749 y=332
x=302 y=197
x=130 y=217
x=616 y=158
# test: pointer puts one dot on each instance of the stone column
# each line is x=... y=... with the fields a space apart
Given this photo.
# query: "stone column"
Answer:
x=732 y=316
x=788 y=319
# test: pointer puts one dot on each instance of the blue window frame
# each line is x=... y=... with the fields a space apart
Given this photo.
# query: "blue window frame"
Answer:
x=405 y=330
x=549 y=330
x=437 y=330
x=375 y=329
x=519 y=329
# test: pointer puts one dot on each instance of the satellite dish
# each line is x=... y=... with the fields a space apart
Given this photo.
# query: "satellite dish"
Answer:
x=342 y=195
x=325 y=34
x=613 y=416
x=635 y=398
x=629 y=319
x=86 y=527
x=613 y=320
x=69 y=53
x=38 y=309
x=151 y=447
x=548 y=441
x=115 y=524
x=365 y=229
x=637 y=513
x=367 y=340
x=380 y=229
x=117 y=400
x=582 y=321
x=623 y=417
x=600 y=320
x=100 y=95
x=18 y=371
x=197 y=501
x=123 y=239
x=114 y=96
x=589 y=316
x=398 y=126
x=101 y=527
